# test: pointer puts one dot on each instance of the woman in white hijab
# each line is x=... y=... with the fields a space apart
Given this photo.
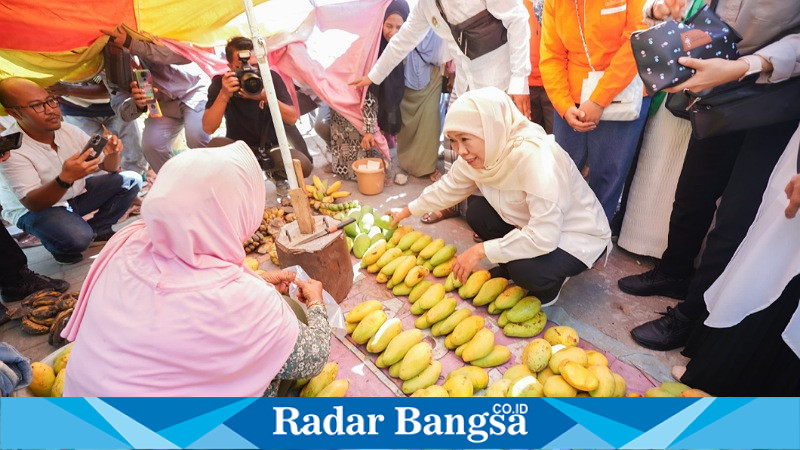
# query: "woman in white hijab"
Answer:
x=538 y=218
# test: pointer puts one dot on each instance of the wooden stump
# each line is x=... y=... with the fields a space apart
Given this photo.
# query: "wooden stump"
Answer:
x=325 y=259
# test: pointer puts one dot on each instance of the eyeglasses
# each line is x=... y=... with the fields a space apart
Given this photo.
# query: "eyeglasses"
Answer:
x=39 y=107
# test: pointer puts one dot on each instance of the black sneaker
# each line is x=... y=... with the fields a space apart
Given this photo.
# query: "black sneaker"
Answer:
x=655 y=282
x=68 y=259
x=102 y=238
x=667 y=333
x=30 y=282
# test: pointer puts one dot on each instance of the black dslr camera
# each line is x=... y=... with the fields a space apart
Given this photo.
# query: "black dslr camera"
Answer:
x=248 y=76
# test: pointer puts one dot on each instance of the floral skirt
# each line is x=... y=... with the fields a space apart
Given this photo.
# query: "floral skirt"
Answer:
x=346 y=146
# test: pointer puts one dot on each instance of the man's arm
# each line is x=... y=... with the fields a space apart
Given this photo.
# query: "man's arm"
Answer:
x=410 y=35
x=112 y=152
x=289 y=114
x=219 y=94
x=147 y=51
x=74 y=168
x=94 y=91
x=130 y=107
x=515 y=18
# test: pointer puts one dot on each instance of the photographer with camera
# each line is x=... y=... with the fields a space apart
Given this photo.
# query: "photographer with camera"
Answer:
x=45 y=188
x=239 y=96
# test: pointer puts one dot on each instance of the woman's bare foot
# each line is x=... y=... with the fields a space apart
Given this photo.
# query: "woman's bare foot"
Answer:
x=435 y=175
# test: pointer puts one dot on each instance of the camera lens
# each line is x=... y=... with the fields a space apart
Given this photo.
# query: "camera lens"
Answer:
x=252 y=83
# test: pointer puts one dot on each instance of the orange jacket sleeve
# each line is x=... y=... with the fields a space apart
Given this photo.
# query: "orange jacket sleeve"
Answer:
x=622 y=69
x=553 y=62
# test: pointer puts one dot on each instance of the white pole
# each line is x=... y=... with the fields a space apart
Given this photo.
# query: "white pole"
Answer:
x=260 y=48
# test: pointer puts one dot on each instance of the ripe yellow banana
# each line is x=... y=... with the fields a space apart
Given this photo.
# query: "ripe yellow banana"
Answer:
x=334 y=187
x=317 y=183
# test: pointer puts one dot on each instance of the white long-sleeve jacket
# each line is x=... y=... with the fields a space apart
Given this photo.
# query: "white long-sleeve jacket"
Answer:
x=505 y=68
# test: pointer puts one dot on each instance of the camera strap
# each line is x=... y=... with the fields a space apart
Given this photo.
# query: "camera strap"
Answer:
x=262 y=137
x=262 y=153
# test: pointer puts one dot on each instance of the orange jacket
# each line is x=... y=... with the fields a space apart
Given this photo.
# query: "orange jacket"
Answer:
x=535 y=78
x=608 y=28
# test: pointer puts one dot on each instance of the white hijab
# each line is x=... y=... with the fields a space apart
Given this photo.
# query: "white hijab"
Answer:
x=765 y=262
x=490 y=114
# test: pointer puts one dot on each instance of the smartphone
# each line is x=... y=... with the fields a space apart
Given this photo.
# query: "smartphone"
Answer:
x=145 y=81
x=95 y=145
x=10 y=142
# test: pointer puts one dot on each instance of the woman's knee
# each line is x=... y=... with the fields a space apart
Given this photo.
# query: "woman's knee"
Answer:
x=534 y=279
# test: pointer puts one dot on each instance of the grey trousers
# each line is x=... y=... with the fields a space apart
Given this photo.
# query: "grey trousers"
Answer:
x=160 y=133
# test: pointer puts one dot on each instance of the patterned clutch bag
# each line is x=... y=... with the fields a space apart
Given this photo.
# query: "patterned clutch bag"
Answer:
x=657 y=49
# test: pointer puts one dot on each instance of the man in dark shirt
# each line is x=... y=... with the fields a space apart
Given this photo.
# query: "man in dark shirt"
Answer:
x=247 y=116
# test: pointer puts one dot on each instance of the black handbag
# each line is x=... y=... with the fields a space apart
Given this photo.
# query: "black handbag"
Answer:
x=119 y=72
x=478 y=35
x=656 y=50
x=737 y=106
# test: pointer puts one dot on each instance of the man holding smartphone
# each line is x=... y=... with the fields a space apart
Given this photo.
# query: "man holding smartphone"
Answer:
x=16 y=280
x=180 y=87
x=45 y=187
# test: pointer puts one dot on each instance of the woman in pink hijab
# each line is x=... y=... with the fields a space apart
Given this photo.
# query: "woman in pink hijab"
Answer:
x=168 y=309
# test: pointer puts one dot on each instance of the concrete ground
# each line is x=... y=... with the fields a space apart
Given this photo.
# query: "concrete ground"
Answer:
x=591 y=302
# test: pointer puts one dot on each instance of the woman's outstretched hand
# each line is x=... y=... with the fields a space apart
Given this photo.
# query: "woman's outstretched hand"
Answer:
x=398 y=215
x=362 y=82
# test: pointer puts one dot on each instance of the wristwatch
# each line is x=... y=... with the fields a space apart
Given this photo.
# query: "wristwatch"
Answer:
x=754 y=63
x=63 y=183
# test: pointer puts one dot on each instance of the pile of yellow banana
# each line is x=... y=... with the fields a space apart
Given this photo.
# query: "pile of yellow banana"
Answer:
x=323 y=195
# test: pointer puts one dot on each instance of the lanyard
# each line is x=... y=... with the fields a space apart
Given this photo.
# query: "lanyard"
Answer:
x=580 y=30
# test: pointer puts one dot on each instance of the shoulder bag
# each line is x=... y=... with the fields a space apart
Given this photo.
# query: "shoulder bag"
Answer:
x=478 y=35
x=627 y=105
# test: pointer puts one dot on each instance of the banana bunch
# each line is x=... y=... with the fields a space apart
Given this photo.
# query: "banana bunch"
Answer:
x=331 y=209
x=324 y=192
x=325 y=384
x=45 y=312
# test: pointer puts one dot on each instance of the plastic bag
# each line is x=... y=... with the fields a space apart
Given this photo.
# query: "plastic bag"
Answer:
x=335 y=315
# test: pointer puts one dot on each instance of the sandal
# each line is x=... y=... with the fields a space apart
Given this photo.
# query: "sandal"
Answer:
x=435 y=175
x=436 y=216
x=476 y=238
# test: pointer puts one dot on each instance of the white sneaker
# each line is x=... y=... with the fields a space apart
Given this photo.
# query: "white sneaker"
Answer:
x=553 y=301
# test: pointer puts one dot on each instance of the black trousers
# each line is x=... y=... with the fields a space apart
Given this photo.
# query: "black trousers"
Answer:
x=543 y=275
x=12 y=259
x=735 y=167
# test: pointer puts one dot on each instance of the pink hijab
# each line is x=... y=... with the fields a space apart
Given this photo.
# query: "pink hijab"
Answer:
x=168 y=308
